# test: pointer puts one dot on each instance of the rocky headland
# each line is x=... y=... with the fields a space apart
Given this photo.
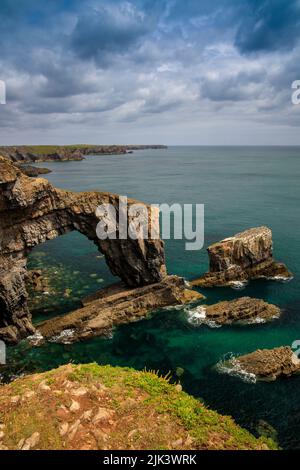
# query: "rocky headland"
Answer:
x=266 y=365
x=33 y=171
x=88 y=407
x=50 y=153
x=245 y=256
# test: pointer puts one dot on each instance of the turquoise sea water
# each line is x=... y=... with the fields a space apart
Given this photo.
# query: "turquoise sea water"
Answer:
x=241 y=188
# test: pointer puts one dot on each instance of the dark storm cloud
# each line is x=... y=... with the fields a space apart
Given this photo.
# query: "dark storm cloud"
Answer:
x=69 y=62
x=269 y=25
x=110 y=29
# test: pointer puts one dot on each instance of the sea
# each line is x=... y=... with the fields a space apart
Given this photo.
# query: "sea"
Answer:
x=240 y=187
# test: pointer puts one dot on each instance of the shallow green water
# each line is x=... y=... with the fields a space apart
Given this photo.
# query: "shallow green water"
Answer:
x=241 y=188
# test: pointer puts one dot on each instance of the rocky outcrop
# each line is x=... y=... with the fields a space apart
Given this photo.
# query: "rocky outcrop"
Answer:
x=113 y=306
x=32 y=211
x=268 y=364
x=33 y=171
x=247 y=255
x=33 y=154
x=245 y=310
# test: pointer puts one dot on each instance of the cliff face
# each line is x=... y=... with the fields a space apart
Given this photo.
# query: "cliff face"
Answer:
x=32 y=211
x=245 y=250
x=33 y=154
x=247 y=255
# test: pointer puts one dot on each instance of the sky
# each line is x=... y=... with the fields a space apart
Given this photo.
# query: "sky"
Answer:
x=175 y=72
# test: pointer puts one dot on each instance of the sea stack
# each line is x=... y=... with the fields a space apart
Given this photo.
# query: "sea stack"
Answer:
x=265 y=365
x=244 y=311
x=245 y=256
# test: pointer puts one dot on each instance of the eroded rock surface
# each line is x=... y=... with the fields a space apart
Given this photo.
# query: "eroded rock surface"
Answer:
x=32 y=211
x=116 y=305
x=33 y=171
x=269 y=364
x=247 y=255
x=245 y=310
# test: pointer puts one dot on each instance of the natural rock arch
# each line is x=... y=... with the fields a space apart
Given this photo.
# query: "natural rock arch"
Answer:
x=32 y=211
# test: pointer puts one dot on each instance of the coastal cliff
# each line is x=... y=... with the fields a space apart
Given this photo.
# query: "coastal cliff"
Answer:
x=32 y=211
x=89 y=407
x=44 y=153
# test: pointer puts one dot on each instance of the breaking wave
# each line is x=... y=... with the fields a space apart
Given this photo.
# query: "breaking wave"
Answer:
x=230 y=365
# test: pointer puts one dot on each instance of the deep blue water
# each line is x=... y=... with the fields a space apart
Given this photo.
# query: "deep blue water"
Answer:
x=241 y=187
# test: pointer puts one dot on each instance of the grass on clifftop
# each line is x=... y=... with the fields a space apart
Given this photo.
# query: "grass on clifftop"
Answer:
x=102 y=407
x=51 y=149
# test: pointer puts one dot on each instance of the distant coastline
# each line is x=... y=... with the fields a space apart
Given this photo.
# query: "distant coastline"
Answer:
x=50 y=153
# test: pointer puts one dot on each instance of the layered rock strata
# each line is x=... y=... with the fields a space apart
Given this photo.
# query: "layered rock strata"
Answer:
x=245 y=310
x=268 y=364
x=245 y=256
x=32 y=211
x=113 y=306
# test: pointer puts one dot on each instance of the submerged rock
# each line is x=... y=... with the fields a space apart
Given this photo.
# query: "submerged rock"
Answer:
x=116 y=305
x=245 y=256
x=267 y=364
x=245 y=310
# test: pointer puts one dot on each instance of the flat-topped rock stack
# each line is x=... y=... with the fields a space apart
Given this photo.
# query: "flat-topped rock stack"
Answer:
x=245 y=256
x=267 y=364
x=245 y=310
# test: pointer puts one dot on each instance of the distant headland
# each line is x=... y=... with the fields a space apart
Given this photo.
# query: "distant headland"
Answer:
x=49 y=153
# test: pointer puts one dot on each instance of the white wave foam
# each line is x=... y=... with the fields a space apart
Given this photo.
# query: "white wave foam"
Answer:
x=65 y=337
x=37 y=339
x=238 y=285
x=281 y=278
x=197 y=316
x=233 y=367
